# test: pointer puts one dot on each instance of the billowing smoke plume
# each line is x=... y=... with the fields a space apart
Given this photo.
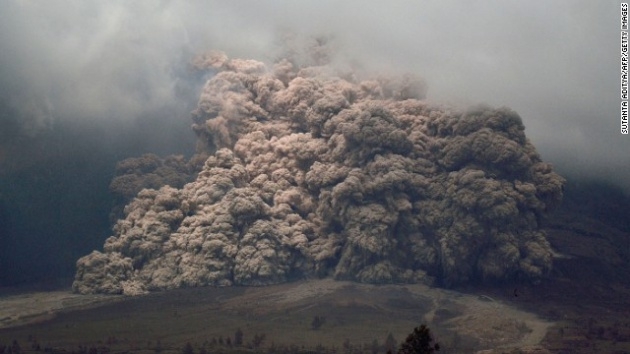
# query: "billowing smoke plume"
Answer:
x=313 y=174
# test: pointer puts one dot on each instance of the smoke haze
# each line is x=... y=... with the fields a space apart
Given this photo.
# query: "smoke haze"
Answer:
x=310 y=174
x=91 y=82
x=555 y=65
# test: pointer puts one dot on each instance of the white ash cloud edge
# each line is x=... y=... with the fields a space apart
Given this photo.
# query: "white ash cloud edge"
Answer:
x=313 y=174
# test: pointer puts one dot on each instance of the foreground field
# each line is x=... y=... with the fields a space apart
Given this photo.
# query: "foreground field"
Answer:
x=350 y=317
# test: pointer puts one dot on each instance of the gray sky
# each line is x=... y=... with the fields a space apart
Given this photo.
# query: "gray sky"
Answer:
x=555 y=62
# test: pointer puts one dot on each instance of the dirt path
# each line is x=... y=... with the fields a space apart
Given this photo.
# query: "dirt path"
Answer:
x=16 y=310
x=493 y=322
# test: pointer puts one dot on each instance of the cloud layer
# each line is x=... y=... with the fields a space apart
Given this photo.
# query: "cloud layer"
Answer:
x=555 y=64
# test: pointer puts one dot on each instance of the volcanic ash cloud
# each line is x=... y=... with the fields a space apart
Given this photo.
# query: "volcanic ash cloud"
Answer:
x=312 y=174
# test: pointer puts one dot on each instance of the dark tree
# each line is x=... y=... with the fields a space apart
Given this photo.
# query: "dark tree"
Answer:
x=375 y=348
x=317 y=322
x=188 y=349
x=158 y=346
x=238 y=338
x=258 y=340
x=419 y=341
x=15 y=347
x=390 y=343
x=347 y=347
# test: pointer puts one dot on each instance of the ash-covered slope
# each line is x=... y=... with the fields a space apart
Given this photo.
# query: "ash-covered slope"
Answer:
x=310 y=173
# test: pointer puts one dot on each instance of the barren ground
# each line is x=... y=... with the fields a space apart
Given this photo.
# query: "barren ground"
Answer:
x=358 y=313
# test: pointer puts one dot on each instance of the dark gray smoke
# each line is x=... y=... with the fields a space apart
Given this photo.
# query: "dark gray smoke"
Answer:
x=314 y=174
